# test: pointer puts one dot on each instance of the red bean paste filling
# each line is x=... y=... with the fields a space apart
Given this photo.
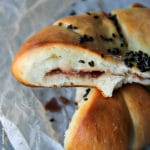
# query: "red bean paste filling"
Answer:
x=92 y=74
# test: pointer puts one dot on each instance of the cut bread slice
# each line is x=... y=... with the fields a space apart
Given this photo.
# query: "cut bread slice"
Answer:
x=82 y=50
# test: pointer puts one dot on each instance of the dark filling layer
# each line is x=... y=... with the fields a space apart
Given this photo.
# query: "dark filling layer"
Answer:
x=92 y=74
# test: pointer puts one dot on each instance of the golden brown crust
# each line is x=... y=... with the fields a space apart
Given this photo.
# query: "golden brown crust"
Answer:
x=121 y=122
x=85 y=24
x=134 y=23
x=100 y=123
x=138 y=102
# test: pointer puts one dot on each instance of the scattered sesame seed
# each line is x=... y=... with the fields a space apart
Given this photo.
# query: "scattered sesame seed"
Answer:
x=86 y=92
x=102 y=55
x=60 y=23
x=85 y=38
x=91 y=63
x=70 y=27
x=76 y=103
x=109 y=50
x=95 y=17
x=121 y=45
x=74 y=27
x=81 y=61
x=140 y=59
x=113 y=35
x=81 y=40
x=106 y=39
x=72 y=13
x=52 y=120
x=88 y=13
x=115 y=51
x=86 y=99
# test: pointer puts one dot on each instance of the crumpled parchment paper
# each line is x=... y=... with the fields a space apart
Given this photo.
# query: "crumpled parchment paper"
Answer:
x=27 y=124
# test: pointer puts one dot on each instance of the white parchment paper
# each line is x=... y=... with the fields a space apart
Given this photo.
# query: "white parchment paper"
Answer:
x=22 y=114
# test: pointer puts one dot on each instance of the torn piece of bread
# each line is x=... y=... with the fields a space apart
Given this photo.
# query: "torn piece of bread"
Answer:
x=117 y=123
x=84 y=50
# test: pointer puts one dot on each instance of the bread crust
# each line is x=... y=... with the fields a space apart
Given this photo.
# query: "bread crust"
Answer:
x=120 y=122
x=134 y=23
x=100 y=123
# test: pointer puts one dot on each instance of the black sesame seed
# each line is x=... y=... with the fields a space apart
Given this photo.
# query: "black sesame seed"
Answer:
x=91 y=63
x=127 y=63
x=130 y=65
x=121 y=45
x=86 y=99
x=60 y=23
x=74 y=27
x=81 y=61
x=115 y=51
x=88 y=13
x=81 y=40
x=140 y=52
x=106 y=39
x=95 y=17
x=91 y=38
x=109 y=50
x=87 y=92
x=52 y=120
x=148 y=62
x=72 y=13
x=85 y=38
x=102 y=55
x=145 y=55
x=113 y=35
x=140 y=59
x=71 y=27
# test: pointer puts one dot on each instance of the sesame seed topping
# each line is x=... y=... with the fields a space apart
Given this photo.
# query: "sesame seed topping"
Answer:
x=109 y=50
x=121 y=45
x=86 y=93
x=85 y=38
x=113 y=35
x=91 y=63
x=86 y=99
x=127 y=63
x=88 y=13
x=115 y=51
x=70 y=27
x=102 y=55
x=52 y=120
x=60 y=23
x=140 y=59
x=74 y=27
x=95 y=17
x=81 y=61
x=106 y=39
x=72 y=13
